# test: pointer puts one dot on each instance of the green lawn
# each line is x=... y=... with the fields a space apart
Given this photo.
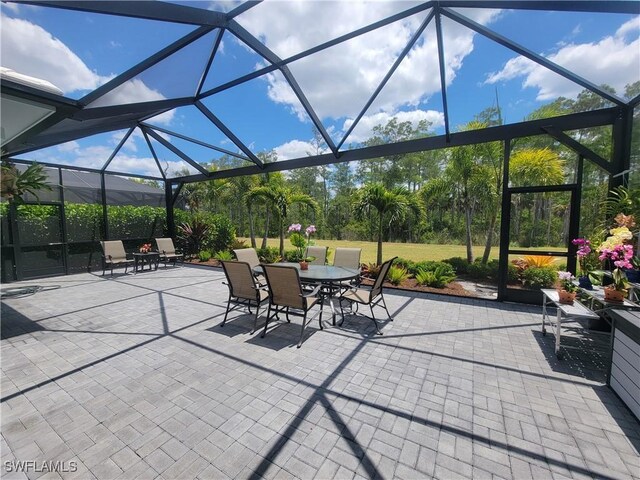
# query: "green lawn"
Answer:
x=410 y=251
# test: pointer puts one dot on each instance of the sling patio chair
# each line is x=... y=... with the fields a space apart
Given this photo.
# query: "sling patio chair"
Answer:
x=369 y=296
x=243 y=290
x=113 y=255
x=168 y=252
x=319 y=254
x=348 y=258
x=250 y=256
x=286 y=296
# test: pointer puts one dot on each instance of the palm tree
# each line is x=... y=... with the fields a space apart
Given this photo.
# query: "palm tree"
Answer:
x=280 y=198
x=14 y=183
x=391 y=205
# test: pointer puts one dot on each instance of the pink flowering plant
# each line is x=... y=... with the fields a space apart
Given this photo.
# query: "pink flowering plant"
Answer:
x=300 y=240
x=584 y=249
x=619 y=254
x=565 y=282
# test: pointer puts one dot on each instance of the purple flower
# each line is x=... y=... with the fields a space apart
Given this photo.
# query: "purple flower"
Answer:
x=565 y=276
x=310 y=229
x=295 y=227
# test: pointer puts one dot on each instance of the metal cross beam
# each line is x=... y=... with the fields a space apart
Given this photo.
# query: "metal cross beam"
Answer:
x=608 y=6
x=162 y=11
x=117 y=149
x=145 y=64
x=443 y=77
x=391 y=71
x=534 y=57
x=230 y=135
x=153 y=152
x=196 y=141
x=579 y=148
x=177 y=151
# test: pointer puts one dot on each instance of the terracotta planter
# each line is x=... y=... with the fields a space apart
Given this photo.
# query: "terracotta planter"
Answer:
x=566 y=297
x=304 y=265
x=612 y=295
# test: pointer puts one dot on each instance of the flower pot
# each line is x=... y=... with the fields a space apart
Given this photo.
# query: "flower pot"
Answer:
x=566 y=297
x=585 y=282
x=304 y=265
x=613 y=295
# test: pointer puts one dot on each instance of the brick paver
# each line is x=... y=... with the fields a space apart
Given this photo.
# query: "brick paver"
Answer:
x=131 y=376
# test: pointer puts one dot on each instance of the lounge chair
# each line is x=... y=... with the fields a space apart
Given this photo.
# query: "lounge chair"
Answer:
x=250 y=256
x=114 y=255
x=243 y=290
x=286 y=296
x=370 y=297
x=168 y=252
x=319 y=254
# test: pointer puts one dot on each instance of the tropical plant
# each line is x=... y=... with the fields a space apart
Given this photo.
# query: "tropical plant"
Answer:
x=14 y=184
x=371 y=270
x=268 y=254
x=204 y=255
x=565 y=282
x=538 y=261
x=194 y=234
x=223 y=255
x=389 y=205
x=281 y=198
x=438 y=277
x=397 y=275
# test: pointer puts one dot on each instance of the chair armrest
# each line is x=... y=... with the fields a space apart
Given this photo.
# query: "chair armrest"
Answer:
x=312 y=293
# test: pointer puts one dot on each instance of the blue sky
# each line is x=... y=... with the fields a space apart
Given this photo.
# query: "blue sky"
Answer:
x=78 y=51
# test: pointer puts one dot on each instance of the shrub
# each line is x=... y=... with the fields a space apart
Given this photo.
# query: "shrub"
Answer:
x=539 y=277
x=204 y=255
x=238 y=244
x=290 y=256
x=397 y=275
x=371 y=270
x=512 y=273
x=223 y=255
x=268 y=254
x=222 y=233
x=431 y=266
x=439 y=277
x=459 y=264
x=408 y=265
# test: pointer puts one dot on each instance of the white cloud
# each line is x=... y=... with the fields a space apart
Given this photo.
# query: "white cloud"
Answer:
x=339 y=81
x=613 y=60
x=29 y=49
x=364 y=128
x=14 y=7
x=294 y=149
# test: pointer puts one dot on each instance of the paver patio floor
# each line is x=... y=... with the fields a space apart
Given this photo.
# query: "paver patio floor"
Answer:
x=132 y=376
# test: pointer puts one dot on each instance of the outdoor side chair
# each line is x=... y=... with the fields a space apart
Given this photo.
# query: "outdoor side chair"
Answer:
x=114 y=255
x=370 y=297
x=348 y=258
x=168 y=252
x=250 y=256
x=286 y=296
x=243 y=290
x=319 y=254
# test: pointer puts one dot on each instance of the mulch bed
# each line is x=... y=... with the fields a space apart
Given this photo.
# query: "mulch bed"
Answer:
x=454 y=288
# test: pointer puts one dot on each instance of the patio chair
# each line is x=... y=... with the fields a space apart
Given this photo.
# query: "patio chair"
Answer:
x=168 y=252
x=286 y=296
x=243 y=290
x=348 y=258
x=370 y=297
x=250 y=256
x=319 y=254
x=113 y=255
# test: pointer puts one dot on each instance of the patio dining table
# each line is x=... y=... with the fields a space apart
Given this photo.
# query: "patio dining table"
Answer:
x=328 y=276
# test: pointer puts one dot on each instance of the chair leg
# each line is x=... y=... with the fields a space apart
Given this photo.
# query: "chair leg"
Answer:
x=375 y=322
x=304 y=321
x=320 y=316
x=255 y=320
x=266 y=322
x=227 y=312
x=384 y=304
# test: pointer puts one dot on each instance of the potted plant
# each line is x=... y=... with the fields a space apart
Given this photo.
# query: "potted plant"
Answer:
x=618 y=254
x=633 y=274
x=584 y=249
x=566 y=288
x=301 y=242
